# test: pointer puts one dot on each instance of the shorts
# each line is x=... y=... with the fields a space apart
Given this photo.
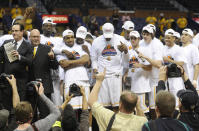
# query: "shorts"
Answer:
x=143 y=106
x=175 y=84
x=152 y=94
x=110 y=91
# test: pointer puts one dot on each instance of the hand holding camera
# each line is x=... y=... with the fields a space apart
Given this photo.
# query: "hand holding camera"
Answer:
x=68 y=97
x=82 y=90
x=39 y=88
x=12 y=81
x=100 y=76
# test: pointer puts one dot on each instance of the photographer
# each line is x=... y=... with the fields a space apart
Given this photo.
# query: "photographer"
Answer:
x=69 y=121
x=4 y=114
x=188 y=99
x=173 y=56
x=24 y=114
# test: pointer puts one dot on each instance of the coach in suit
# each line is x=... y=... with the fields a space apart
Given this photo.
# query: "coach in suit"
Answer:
x=20 y=67
x=43 y=61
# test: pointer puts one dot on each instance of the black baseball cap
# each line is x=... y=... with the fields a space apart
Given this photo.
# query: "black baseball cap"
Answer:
x=188 y=99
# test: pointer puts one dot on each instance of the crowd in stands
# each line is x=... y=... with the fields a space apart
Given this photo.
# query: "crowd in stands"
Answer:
x=91 y=78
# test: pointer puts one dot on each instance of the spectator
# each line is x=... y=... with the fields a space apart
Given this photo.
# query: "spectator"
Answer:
x=182 y=23
x=169 y=22
x=162 y=23
x=16 y=12
x=126 y=17
x=93 y=25
x=165 y=107
x=125 y=118
x=5 y=116
x=7 y=21
x=28 y=25
x=188 y=104
x=151 y=19
x=24 y=114
x=69 y=121
x=84 y=13
x=72 y=23
x=115 y=18
x=2 y=13
x=188 y=99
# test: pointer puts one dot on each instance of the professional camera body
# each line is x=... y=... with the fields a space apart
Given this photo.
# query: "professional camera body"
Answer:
x=31 y=87
x=3 y=81
x=75 y=90
x=173 y=71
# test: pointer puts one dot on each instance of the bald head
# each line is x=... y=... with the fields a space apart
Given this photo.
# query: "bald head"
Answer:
x=35 y=37
x=128 y=101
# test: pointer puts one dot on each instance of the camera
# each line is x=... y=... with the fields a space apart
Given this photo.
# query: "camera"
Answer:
x=31 y=87
x=3 y=81
x=173 y=71
x=75 y=90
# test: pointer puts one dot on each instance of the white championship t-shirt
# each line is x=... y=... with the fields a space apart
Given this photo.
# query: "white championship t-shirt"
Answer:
x=76 y=73
x=139 y=76
x=107 y=55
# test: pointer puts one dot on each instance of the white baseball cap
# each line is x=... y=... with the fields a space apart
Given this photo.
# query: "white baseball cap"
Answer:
x=67 y=32
x=128 y=25
x=135 y=34
x=81 y=32
x=170 y=32
x=188 y=31
x=48 y=21
x=152 y=26
x=176 y=34
x=148 y=29
x=108 y=30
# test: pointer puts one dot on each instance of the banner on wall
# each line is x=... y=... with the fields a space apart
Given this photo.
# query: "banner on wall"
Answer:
x=57 y=18
x=196 y=19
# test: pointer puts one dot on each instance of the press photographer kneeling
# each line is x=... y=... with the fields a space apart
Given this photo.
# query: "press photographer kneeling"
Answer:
x=188 y=99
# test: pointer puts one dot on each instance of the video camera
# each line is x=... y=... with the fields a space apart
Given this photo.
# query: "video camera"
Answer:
x=75 y=90
x=3 y=81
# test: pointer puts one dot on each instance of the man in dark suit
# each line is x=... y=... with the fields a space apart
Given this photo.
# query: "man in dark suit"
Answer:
x=43 y=61
x=20 y=67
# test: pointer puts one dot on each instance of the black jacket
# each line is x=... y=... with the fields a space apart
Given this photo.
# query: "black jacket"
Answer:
x=190 y=118
x=41 y=67
x=18 y=68
x=165 y=124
